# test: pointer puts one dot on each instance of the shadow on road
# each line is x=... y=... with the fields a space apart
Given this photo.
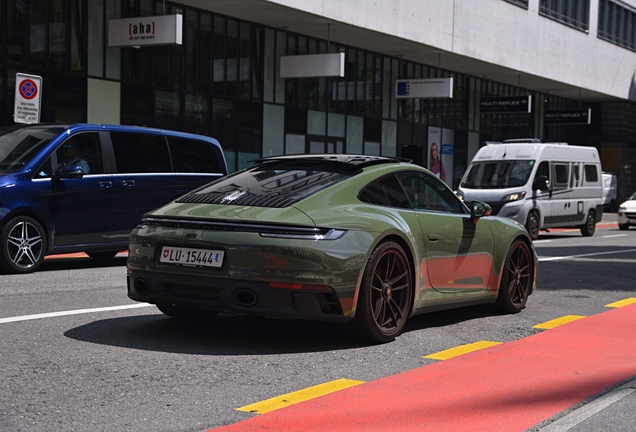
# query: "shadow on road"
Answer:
x=242 y=335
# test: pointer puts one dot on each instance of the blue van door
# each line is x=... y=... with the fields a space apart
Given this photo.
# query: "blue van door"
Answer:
x=143 y=181
x=81 y=206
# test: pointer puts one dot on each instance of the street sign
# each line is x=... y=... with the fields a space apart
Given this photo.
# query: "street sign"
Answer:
x=28 y=90
x=571 y=117
x=424 y=88
x=511 y=104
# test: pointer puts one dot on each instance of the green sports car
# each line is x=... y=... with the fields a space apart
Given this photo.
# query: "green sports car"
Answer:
x=365 y=240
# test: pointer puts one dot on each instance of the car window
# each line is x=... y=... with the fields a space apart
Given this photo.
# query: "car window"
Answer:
x=83 y=150
x=278 y=184
x=19 y=144
x=498 y=174
x=385 y=192
x=140 y=153
x=591 y=173
x=192 y=156
x=426 y=192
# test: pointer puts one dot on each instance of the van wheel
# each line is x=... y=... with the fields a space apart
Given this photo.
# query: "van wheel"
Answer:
x=532 y=225
x=588 y=228
x=23 y=245
x=623 y=227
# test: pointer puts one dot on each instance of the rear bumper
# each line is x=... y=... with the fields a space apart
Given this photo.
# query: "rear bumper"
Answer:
x=235 y=296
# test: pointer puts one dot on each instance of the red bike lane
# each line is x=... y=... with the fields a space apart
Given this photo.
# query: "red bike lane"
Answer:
x=508 y=387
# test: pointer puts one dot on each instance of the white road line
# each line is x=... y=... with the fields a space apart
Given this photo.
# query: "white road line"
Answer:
x=615 y=235
x=542 y=241
x=584 y=255
x=71 y=312
x=588 y=410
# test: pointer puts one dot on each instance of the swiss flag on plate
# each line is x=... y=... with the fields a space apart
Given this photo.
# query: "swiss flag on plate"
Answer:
x=165 y=253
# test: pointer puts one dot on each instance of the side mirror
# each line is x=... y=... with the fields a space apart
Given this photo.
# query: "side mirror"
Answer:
x=68 y=172
x=478 y=210
x=542 y=183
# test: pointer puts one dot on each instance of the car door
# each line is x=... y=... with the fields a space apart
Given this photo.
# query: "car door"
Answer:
x=81 y=206
x=459 y=252
x=143 y=180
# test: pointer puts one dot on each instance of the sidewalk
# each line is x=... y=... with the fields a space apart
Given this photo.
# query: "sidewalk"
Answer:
x=509 y=387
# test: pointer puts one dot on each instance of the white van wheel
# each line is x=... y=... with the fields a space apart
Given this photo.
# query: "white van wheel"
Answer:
x=532 y=225
x=588 y=228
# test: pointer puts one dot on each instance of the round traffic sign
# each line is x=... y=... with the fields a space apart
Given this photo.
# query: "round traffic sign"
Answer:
x=28 y=89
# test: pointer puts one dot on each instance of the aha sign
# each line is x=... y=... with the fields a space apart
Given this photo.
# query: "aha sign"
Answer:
x=28 y=89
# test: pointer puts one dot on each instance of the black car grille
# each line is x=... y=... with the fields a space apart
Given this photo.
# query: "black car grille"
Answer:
x=247 y=199
x=631 y=215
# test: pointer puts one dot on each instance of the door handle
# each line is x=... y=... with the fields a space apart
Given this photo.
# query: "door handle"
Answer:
x=127 y=183
x=433 y=237
x=105 y=184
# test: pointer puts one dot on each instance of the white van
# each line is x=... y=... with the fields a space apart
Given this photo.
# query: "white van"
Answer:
x=540 y=185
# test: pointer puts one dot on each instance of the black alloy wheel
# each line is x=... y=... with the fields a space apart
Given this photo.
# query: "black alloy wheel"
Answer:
x=385 y=297
x=23 y=245
x=589 y=227
x=517 y=279
x=532 y=225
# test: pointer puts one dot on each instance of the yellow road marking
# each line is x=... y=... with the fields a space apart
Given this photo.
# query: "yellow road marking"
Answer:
x=299 y=396
x=558 y=322
x=622 y=303
x=462 y=349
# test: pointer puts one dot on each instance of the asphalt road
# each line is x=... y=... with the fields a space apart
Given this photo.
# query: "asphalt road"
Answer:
x=83 y=368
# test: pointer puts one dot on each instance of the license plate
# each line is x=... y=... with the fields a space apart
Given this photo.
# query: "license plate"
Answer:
x=191 y=257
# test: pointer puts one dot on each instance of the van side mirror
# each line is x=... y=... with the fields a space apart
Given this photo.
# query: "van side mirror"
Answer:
x=542 y=183
x=68 y=172
x=478 y=210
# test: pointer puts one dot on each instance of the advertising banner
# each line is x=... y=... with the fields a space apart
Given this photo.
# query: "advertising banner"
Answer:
x=512 y=104
x=142 y=31
x=568 y=117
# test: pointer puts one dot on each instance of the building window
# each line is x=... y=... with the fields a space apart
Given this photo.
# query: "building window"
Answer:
x=575 y=13
x=522 y=3
x=617 y=23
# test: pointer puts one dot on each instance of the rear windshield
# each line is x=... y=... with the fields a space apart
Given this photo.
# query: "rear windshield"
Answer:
x=19 y=145
x=497 y=174
x=278 y=184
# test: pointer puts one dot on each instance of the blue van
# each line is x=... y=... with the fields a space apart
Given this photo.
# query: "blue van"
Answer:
x=84 y=187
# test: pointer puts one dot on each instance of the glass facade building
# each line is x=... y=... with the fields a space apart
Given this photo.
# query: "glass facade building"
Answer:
x=224 y=81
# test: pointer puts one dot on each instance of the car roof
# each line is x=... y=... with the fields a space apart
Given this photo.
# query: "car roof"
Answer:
x=337 y=162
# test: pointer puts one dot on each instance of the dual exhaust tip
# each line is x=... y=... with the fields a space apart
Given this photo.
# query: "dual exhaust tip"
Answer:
x=242 y=296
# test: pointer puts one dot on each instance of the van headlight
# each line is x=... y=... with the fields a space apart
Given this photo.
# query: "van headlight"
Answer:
x=514 y=197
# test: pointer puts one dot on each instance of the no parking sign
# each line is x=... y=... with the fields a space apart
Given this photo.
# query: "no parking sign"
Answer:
x=28 y=89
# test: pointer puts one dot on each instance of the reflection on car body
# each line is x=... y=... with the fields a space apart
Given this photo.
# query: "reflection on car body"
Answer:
x=341 y=238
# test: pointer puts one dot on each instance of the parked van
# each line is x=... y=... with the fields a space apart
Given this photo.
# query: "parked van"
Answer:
x=540 y=185
x=609 y=192
x=84 y=187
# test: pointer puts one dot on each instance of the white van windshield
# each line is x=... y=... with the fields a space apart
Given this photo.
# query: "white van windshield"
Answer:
x=497 y=174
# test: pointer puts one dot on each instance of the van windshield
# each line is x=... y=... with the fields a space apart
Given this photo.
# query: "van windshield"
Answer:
x=19 y=144
x=497 y=174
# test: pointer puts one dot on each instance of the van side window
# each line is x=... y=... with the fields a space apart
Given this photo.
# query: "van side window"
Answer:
x=140 y=153
x=191 y=156
x=83 y=150
x=561 y=174
x=591 y=174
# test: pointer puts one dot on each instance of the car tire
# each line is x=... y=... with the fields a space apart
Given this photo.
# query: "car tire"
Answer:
x=532 y=224
x=516 y=279
x=623 y=227
x=102 y=256
x=589 y=227
x=185 y=313
x=385 y=297
x=23 y=242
